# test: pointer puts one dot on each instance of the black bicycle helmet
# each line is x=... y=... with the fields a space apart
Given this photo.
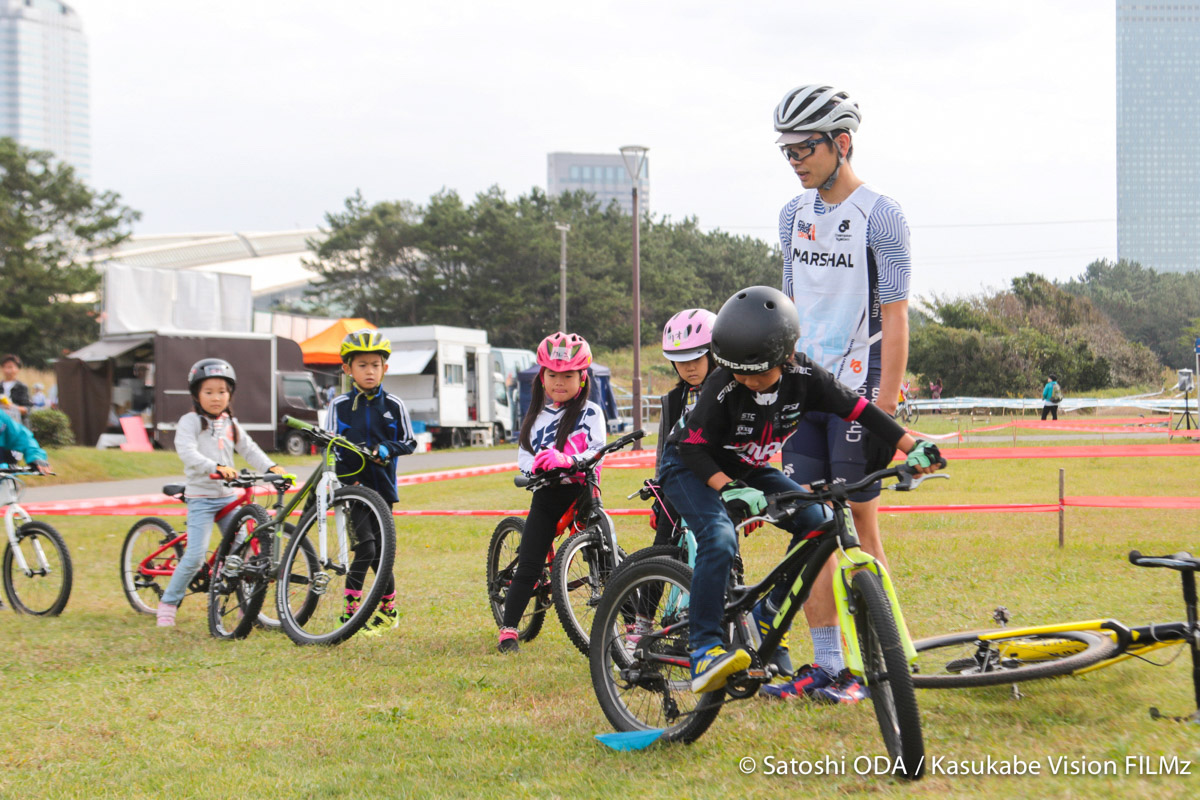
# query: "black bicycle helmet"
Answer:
x=211 y=368
x=756 y=330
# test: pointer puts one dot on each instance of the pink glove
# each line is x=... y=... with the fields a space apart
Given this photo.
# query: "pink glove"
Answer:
x=551 y=458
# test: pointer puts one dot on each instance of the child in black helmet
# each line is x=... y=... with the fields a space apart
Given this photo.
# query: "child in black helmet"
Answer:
x=206 y=439
x=715 y=468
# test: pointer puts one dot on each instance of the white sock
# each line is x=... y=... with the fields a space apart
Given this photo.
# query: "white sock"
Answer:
x=827 y=649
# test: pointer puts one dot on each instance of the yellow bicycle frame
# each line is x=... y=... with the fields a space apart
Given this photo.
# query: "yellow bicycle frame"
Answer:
x=850 y=561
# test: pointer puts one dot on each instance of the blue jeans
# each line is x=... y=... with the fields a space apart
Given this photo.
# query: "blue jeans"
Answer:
x=201 y=511
x=716 y=539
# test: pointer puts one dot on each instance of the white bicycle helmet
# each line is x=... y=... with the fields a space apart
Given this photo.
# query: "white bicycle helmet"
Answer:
x=814 y=108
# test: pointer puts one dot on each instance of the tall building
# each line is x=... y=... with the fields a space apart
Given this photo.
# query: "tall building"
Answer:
x=602 y=174
x=1158 y=146
x=44 y=80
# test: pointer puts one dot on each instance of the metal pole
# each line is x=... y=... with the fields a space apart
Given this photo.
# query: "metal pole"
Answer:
x=637 y=315
x=562 y=280
x=1061 y=521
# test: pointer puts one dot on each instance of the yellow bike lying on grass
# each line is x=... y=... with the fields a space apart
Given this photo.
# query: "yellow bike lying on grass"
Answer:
x=1007 y=655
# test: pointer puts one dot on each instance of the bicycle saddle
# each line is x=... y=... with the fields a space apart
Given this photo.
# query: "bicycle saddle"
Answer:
x=173 y=490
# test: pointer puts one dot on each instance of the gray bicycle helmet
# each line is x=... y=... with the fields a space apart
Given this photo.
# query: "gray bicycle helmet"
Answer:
x=756 y=330
x=814 y=108
x=211 y=368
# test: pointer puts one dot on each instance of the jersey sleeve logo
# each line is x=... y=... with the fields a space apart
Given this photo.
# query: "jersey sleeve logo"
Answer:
x=695 y=436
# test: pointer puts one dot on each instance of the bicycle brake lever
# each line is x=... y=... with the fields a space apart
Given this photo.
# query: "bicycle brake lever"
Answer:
x=907 y=482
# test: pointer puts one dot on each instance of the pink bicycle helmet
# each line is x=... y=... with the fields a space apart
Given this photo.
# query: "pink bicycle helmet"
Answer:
x=688 y=334
x=562 y=352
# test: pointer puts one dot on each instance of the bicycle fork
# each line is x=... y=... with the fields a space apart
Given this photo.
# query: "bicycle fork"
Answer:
x=850 y=560
x=11 y=529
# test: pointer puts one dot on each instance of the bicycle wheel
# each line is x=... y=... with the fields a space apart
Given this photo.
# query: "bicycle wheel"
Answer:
x=886 y=674
x=43 y=588
x=142 y=588
x=240 y=571
x=990 y=658
x=320 y=617
x=577 y=579
x=644 y=686
x=297 y=583
x=501 y=566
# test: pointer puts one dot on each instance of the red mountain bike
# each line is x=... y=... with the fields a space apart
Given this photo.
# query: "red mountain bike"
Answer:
x=152 y=548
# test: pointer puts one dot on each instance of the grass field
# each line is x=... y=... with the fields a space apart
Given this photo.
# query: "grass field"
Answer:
x=100 y=703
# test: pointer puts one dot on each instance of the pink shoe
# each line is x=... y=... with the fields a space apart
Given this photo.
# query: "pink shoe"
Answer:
x=166 y=615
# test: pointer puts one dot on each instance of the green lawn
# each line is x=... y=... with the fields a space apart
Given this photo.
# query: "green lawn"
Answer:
x=99 y=703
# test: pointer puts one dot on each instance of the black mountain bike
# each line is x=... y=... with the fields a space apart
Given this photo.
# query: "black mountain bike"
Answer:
x=643 y=680
x=311 y=565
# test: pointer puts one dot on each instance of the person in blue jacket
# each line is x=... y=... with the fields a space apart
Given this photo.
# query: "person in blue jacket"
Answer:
x=373 y=419
x=16 y=439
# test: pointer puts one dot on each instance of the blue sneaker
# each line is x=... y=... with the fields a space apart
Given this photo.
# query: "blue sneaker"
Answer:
x=809 y=680
x=781 y=658
x=712 y=667
x=845 y=688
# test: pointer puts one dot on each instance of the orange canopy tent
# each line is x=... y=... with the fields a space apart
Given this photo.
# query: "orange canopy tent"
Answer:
x=326 y=346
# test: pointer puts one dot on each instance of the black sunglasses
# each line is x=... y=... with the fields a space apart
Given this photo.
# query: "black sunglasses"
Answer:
x=808 y=144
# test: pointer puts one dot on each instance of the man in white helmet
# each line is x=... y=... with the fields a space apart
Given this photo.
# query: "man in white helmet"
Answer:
x=846 y=266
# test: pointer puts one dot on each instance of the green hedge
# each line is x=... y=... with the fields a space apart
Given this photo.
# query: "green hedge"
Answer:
x=51 y=428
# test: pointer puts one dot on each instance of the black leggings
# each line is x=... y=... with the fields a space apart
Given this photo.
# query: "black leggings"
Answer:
x=545 y=510
x=366 y=553
x=1046 y=410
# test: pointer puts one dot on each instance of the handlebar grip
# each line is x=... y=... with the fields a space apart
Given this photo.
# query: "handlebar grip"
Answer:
x=521 y=481
x=1135 y=556
x=298 y=424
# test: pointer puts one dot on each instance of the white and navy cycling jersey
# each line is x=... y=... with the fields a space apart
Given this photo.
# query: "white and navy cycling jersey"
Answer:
x=840 y=265
x=586 y=438
x=735 y=430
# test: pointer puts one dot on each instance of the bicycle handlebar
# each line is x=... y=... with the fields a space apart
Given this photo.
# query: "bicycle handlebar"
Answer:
x=535 y=481
x=331 y=438
x=244 y=479
x=1182 y=561
x=783 y=504
x=23 y=471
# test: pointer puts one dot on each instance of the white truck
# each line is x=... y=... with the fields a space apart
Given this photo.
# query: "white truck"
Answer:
x=444 y=375
x=507 y=363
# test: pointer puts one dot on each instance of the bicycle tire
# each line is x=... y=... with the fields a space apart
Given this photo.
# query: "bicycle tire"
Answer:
x=576 y=596
x=886 y=674
x=502 y=553
x=40 y=594
x=318 y=620
x=144 y=591
x=238 y=584
x=947 y=662
x=638 y=694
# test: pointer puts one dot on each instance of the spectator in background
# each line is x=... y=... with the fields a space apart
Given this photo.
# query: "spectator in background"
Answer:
x=1051 y=397
x=38 y=400
x=12 y=389
x=935 y=392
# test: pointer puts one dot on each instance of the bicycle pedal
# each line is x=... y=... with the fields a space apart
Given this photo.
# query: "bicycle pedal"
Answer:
x=759 y=674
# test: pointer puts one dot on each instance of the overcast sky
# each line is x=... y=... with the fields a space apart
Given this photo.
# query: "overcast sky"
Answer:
x=992 y=124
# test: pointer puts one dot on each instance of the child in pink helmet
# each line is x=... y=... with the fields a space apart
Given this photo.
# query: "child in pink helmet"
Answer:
x=560 y=426
x=686 y=340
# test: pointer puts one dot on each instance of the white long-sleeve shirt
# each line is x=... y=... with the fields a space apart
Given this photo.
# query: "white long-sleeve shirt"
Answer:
x=203 y=451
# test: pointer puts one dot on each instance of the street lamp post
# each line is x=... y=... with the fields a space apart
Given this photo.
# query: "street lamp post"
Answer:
x=634 y=157
x=562 y=279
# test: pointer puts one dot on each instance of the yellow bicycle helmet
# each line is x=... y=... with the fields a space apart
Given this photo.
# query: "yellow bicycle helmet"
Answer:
x=365 y=341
